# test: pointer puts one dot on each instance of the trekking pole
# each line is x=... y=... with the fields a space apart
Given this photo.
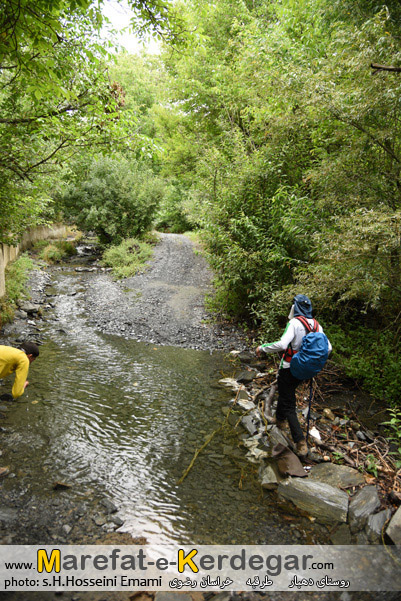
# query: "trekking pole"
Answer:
x=309 y=409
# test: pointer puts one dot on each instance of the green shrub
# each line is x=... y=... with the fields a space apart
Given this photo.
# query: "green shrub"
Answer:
x=128 y=258
x=16 y=278
x=55 y=251
x=117 y=199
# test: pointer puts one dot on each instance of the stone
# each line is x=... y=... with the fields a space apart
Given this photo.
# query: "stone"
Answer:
x=255 y=455
x=251 y=422
x=109 y=506
x=362 y=505
x=245 y=377
x=67 y=529
x=8 y=514
x=242 y=394
x=340 y=476
x=269 y=476
x=328 y=504
x=29 y=308
x=328 y=414
x=277 y=437
x=375 y=525
x=21 y=314
x=99 y=520
x=394 y=528
x=245 y=405
x=360 y=435
x=341 y=536
x=245 y=357
x=117 y=520
x=229 y=383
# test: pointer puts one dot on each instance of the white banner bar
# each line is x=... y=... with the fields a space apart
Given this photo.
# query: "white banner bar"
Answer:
x=200 y=568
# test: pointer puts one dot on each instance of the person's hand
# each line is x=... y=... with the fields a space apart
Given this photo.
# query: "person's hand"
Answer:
x=26 y=384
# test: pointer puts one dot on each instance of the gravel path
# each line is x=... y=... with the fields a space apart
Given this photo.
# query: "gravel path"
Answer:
x=165 y=304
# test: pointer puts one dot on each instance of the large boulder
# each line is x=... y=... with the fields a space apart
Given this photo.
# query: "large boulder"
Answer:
x=394 y=528
x=328 y=504
x=269 y=476
x=362 y=505
x=340 y=476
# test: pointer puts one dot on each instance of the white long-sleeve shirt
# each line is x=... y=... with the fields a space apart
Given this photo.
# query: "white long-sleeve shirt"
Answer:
x=293 y=335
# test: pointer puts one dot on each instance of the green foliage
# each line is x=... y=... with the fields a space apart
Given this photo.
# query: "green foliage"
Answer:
x=117 y=199
x=16 y=277
x=128 y=258
x=56 y=251
x=171 y=216
x=394 y=428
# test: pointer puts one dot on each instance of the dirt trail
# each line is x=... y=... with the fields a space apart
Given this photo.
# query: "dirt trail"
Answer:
x=165 y=304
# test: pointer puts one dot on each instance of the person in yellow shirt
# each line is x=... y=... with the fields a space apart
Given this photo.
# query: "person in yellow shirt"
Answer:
x=13 y=360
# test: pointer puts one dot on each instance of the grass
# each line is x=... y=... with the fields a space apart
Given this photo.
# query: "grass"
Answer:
x=55 y=251
x=16 y=277
x=129 y=257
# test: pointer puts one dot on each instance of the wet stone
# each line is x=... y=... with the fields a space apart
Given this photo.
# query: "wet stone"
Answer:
x=269 y=476
x=362 y=505
x=246 y=405
x=341 y=476
x=326 y=503
x=109 y=506
x=251 y=422
x=8 y=514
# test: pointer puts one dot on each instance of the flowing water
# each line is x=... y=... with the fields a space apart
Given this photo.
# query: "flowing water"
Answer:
x=121 y=419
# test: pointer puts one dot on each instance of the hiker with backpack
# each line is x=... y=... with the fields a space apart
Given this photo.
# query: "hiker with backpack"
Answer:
x=305 y=350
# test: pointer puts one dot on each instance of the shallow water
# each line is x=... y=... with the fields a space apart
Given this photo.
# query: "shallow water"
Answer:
x=121 y=419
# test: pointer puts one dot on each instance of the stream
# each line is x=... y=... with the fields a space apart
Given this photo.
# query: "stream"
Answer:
x=119 y=419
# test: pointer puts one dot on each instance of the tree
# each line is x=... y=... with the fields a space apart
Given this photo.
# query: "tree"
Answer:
x=56 y=95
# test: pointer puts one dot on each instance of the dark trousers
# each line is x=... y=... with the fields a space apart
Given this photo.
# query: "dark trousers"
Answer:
x=286 y=406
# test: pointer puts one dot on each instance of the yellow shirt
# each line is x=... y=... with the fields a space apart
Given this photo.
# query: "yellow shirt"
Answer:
x=12 y=359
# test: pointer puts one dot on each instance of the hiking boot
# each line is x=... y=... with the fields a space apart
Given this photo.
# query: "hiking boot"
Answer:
x=302 y=448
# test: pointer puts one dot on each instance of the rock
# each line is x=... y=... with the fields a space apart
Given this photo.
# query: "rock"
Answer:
x=340 y=476
x=361 y=538
x=360 y=435
x=394 y=528
x=242 y=394
x=251 y=422
x=341 y=536
x=29 y=308
x=326 y=503
x=395 y=497
x=229 y=383
x=375 y=525
x=21 y=314
x=277 y=437
x=246 y=405
x=256 y=455
x=61 y=486
x=99 y=520
x=117 y=520
x=354 y=425
x=67 y=529
x=362 y=505
x=110 y=507
x=4 y=471
x=269 y=476
x=8 y=514
x=328 y=414
x=245 y=377
x=245 y=357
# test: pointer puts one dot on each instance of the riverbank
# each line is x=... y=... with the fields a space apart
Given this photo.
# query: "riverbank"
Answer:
x=348 y=479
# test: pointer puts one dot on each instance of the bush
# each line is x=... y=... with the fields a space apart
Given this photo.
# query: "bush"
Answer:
x=55 y=251
x=117 y=199
x=128 y=258
x=16 y=278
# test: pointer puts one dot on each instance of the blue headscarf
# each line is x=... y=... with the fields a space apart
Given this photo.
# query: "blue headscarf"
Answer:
x=302 y=306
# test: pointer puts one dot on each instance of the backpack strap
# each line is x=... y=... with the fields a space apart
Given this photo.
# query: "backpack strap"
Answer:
x=306 y=325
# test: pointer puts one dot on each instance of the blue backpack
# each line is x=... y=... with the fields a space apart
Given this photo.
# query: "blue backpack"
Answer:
x=312 y=356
